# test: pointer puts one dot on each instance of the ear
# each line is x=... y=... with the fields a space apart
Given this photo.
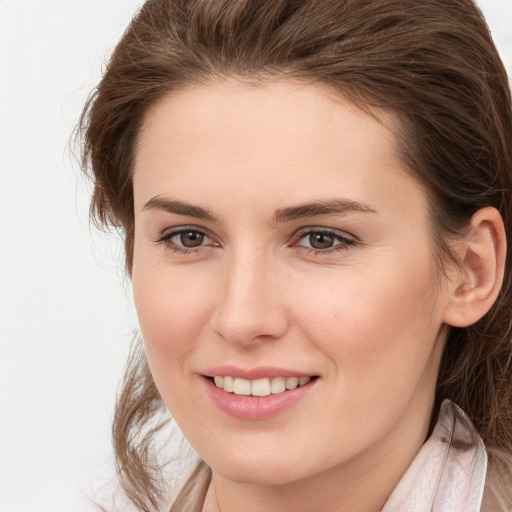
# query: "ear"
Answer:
x=478 y=280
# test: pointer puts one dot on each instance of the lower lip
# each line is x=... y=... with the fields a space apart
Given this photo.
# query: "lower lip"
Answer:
x=256 y=407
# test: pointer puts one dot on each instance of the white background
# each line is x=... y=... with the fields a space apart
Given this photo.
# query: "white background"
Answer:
x=66 y=318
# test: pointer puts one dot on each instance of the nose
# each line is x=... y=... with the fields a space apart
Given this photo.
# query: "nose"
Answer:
x=249 y=306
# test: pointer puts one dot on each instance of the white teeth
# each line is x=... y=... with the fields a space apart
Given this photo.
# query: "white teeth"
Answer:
x=278 y=385
x=304 y=380
x=229 y=384
x=292 y=382
x=259 y=387
x=242 y=387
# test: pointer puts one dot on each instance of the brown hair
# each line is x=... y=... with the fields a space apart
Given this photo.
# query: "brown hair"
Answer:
x=432 y=63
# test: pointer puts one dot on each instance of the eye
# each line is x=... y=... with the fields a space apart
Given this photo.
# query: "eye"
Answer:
x=189 y=238
x=322 y=240
x=186 y=240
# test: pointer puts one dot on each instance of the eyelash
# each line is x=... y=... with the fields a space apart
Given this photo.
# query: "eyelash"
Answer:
x=344 y=242
x=166 y=240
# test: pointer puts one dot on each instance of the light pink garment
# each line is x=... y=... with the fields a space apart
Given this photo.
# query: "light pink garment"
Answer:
x=448 y=474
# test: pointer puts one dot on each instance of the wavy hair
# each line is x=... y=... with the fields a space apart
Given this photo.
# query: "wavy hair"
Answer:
x=432 y=63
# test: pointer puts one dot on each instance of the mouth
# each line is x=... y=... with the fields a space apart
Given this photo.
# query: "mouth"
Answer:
x=268 y=393
x=259 y=387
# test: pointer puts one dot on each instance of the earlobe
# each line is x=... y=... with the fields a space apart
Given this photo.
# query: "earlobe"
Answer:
x=480 y=275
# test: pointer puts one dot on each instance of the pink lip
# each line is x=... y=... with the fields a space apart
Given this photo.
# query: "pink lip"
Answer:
x=253 y=373
x=255 y=407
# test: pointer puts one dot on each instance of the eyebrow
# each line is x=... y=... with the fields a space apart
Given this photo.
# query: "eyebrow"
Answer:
x=324 y=207
x=327 y=207
x=180 y=208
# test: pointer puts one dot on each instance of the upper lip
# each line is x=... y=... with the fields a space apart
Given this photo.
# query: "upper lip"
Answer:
x=259 y=372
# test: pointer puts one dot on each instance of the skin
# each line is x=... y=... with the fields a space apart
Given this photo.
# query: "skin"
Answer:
x=368 y=316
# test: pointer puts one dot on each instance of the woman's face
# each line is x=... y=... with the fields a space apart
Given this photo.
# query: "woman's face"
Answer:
x=278 y=237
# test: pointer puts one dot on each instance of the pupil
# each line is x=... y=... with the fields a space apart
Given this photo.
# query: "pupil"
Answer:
x=191 y=238
x=321 y=241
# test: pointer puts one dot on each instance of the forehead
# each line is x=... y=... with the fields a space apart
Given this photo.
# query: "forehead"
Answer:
x=228 y=139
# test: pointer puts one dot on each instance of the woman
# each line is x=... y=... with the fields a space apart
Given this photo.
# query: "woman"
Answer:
x=315 y=198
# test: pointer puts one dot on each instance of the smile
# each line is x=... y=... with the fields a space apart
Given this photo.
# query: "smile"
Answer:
x=259 y=387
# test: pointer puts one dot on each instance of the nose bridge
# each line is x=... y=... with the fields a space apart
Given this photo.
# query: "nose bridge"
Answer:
x=248 y=306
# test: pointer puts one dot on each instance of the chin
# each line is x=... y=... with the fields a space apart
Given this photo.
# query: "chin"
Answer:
x=259 y=475
x=260 y=468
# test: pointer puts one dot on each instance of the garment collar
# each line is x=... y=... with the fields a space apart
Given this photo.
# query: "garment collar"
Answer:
x=448 y=474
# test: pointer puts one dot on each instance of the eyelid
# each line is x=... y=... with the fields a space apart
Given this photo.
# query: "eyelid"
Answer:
x=344 y=239
x=322 y=229
x=167 y=234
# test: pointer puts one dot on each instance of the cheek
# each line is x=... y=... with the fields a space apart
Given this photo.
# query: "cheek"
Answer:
x=379 y=332
x=375 y=325
x=172 y=308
